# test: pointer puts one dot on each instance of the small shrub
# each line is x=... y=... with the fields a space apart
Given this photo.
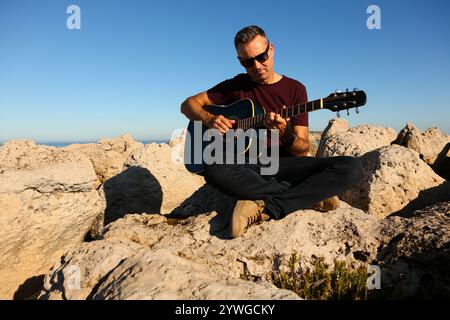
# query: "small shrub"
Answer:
x=320 y=282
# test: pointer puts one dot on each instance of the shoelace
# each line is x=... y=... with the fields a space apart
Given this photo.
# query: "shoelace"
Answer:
x=254 y=219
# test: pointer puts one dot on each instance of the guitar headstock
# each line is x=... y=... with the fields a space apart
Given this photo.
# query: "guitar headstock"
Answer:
x=339 y=101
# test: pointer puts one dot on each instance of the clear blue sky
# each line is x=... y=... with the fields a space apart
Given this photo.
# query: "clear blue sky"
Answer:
x=133 y=62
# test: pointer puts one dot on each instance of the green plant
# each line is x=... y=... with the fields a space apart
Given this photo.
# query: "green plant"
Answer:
x=319 y=282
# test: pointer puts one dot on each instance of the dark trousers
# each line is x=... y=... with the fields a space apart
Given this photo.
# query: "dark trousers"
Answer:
x=299 y=184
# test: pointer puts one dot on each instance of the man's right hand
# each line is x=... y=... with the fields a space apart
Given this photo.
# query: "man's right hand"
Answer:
x=194 y=109
x=220 y=123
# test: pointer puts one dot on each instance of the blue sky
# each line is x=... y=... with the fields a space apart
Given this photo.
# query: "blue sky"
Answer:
x=133 y=62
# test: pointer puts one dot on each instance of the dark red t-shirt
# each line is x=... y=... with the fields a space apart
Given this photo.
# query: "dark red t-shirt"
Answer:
x=286 y=92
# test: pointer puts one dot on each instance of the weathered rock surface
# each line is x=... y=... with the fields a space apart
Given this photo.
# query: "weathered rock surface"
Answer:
x=161 y=256
x=312 y=145
x=442 y=164
x=334 y=126
x=166 y=230
x=157 y=271
x=154 y=180
x=107 y=156
x=415 y=255
x=339 y=141
x=428 y=144
x=396 y=180
x=48 y=203
x=153 y=257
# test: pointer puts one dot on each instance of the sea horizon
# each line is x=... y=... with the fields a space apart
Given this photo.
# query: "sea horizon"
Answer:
x=66 y=143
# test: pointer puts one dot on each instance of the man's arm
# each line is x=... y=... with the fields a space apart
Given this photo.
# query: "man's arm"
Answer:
x=194 y=109
x=296 y=140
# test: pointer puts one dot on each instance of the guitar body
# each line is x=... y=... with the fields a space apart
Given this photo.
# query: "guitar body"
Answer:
x=241 y=109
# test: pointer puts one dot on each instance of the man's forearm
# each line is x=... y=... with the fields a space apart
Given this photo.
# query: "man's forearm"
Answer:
x=299 y=147
x=293 y=143
x=194 y=110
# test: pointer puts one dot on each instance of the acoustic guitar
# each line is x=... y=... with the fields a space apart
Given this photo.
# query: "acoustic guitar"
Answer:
x=249 y=115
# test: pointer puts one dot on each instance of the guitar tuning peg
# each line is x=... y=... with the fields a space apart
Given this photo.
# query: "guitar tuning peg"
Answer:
x=348 y=112
x=355 y=89
x=338 y=114
x=357 y=110
x=347 y=90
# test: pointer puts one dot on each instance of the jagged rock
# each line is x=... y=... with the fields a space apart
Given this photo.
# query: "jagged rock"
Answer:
x=394 y=176
x=415 y=254
x=84 y=267
x=312 y=145
x=428 y=144
x=124 y=271
x=163 y=274
x=154 y=181
x=334 y=126
x=442 y=164
x=107 y=156
x=48 y=203
x=315 y=135
x=164 y=254
x=336 y=141
x=155 y=257
x=178 y=137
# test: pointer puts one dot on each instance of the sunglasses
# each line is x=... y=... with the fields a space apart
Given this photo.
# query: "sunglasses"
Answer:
x=262 y=57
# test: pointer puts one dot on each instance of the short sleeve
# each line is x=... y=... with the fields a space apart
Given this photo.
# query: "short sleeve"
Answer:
x=300 y=96
x=221 y=93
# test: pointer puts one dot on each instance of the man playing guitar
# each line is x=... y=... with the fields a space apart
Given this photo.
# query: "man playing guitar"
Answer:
x=301 y=182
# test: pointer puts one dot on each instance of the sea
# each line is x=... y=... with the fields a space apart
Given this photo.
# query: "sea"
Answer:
x=66 y=143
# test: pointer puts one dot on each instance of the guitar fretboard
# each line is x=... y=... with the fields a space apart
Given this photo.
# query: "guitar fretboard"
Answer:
x=292 y=111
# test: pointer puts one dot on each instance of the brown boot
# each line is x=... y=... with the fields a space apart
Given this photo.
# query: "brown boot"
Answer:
x=327 y=204
x=246 y=213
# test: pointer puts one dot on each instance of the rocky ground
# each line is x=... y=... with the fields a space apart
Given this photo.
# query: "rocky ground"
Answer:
x=123 y=220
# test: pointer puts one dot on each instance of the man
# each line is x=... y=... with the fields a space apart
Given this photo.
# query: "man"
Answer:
x=301 y=182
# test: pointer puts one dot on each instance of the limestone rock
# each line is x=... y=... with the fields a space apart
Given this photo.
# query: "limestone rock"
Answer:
x=415 y=254
x=162 y=255
x=155 y=257
x=48 y=203
x=107 y=156
x=336 y=141
x=316 y=135
x=428 y=144
x=334 y=126
x=84 y=267
x=178 y=138
x=153 y=181
x=163 y=274
x=312 y=145
x=394 y=176
x=442 y=164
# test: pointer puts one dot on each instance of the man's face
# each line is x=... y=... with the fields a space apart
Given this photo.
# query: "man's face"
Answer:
x=261 y=72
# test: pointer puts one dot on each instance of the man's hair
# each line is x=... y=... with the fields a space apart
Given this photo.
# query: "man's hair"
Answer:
x=247 y=34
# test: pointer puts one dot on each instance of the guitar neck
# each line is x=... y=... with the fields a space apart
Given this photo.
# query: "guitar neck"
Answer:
x=292 y=111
